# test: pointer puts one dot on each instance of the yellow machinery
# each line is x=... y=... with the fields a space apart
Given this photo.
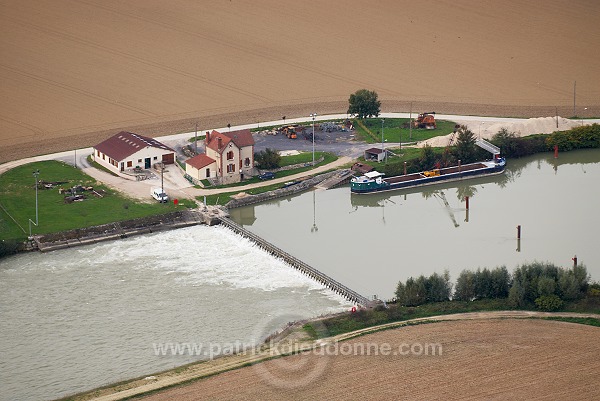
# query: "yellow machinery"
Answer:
x=432 y=173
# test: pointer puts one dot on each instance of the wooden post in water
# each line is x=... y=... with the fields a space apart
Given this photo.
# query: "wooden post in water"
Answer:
x=467 y=201
x=519 y=232
x=556 y=151
x=574 y=261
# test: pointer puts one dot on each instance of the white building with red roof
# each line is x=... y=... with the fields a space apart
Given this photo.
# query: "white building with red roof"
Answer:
x=127 y=150
x=229 y=157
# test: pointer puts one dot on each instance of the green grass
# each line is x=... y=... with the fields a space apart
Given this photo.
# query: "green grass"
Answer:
x=303 y=157
x=590 y=321
x=200 y=138
x=394 y=133
x=372 y=317
x=17 y=196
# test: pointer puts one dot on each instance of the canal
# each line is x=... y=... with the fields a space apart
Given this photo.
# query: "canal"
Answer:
x=370 y=242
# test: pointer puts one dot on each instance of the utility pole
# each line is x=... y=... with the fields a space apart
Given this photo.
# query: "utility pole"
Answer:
x=196 y=139
x=313 y=115
x=410 y=123
x=36 y=173
x=574 y=98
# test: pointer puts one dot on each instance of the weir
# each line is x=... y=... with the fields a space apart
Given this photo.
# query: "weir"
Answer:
x=310 y=271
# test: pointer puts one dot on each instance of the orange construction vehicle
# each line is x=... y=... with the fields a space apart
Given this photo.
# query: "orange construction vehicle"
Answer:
x=425 y=120
x=292 y=131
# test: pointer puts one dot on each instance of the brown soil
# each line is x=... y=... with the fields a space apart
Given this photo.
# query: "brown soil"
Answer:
x=481 y=359
x=74 y=72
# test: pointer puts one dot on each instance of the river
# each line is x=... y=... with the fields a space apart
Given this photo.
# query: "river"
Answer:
x=370 y=242
x=76 y=319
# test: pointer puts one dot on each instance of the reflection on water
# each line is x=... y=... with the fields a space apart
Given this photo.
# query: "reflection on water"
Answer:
x=370 y=242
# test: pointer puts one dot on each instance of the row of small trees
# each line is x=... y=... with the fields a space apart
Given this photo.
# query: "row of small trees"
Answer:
x=546 y=285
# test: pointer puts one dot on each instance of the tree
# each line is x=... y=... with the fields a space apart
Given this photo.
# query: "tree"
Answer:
x=465 y=145
x=268 y=158
x=427 y=157
x=465 y=286
x=363 y=103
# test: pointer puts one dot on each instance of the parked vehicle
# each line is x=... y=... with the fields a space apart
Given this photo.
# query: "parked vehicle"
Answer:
x=159 y=194
x=267 y=175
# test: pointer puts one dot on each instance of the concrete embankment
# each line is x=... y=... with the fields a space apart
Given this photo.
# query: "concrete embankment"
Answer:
x=295 y=188
x=335 y=286
x=128 y=228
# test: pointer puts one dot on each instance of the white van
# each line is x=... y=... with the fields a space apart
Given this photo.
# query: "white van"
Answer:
x=159 y=194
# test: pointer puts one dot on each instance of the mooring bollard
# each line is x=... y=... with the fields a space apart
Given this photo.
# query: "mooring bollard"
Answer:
x=519 y=231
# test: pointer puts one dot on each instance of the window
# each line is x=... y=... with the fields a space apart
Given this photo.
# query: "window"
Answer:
x=139 y=160
x=230 y=155
x=103 y=156
x=231 y=168
x=247 y=162
x=129 y=163
x=98 y=152
x=155 y=157
x=207 y=173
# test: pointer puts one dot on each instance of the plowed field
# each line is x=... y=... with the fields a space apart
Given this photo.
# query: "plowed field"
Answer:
x=73 y=72
x=480 y=359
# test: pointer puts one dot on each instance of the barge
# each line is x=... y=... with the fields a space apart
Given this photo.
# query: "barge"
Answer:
x=373 y=181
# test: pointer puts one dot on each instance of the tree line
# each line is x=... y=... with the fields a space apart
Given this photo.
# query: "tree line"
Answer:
x=543 y=284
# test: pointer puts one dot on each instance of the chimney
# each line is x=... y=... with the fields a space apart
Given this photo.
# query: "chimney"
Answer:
x=207 y=138
x=219 y=141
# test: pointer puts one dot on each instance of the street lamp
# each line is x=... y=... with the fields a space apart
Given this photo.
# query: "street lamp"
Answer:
x=313 y=115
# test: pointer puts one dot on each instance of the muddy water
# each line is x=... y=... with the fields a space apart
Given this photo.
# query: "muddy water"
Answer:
x=370 y=242
x=76 y=319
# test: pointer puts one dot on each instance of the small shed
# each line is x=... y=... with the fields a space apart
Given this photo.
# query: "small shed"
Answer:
x=375 y=154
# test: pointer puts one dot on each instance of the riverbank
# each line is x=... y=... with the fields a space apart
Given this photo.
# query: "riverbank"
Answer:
x=295 y=342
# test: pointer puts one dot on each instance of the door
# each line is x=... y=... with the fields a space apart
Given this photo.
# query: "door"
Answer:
x=147 y=162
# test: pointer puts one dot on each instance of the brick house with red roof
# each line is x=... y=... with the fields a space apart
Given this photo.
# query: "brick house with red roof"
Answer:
x=127 y=150
x=229 y=157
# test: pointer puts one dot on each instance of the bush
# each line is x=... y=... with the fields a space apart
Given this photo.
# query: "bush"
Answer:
x=549 y=303
x=584 y=137
x=268 y=158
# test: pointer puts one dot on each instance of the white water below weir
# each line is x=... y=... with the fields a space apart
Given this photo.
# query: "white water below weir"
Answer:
x=79 y=318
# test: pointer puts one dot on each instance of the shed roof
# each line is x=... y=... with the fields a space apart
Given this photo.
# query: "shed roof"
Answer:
x=200 y=161
x=375 y=151
x=124 y=144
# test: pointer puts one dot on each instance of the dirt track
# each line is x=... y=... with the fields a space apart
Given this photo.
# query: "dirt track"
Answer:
x=74 y=72
x=483 y=355
x=499 y=359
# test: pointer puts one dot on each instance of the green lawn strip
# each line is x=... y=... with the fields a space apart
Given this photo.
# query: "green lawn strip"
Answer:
x=304 y=157
x=17 y=194
x=365 y=318
x=200 y=138
x=394 y=132
x=590 y=321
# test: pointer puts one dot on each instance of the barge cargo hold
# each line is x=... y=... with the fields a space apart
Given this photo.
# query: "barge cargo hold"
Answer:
x=374 y=182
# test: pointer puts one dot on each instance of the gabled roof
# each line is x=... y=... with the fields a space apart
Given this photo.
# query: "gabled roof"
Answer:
x=374 y=151
x=241 y=138
x=200 y=161
x=213 y=143
x=124 y=144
